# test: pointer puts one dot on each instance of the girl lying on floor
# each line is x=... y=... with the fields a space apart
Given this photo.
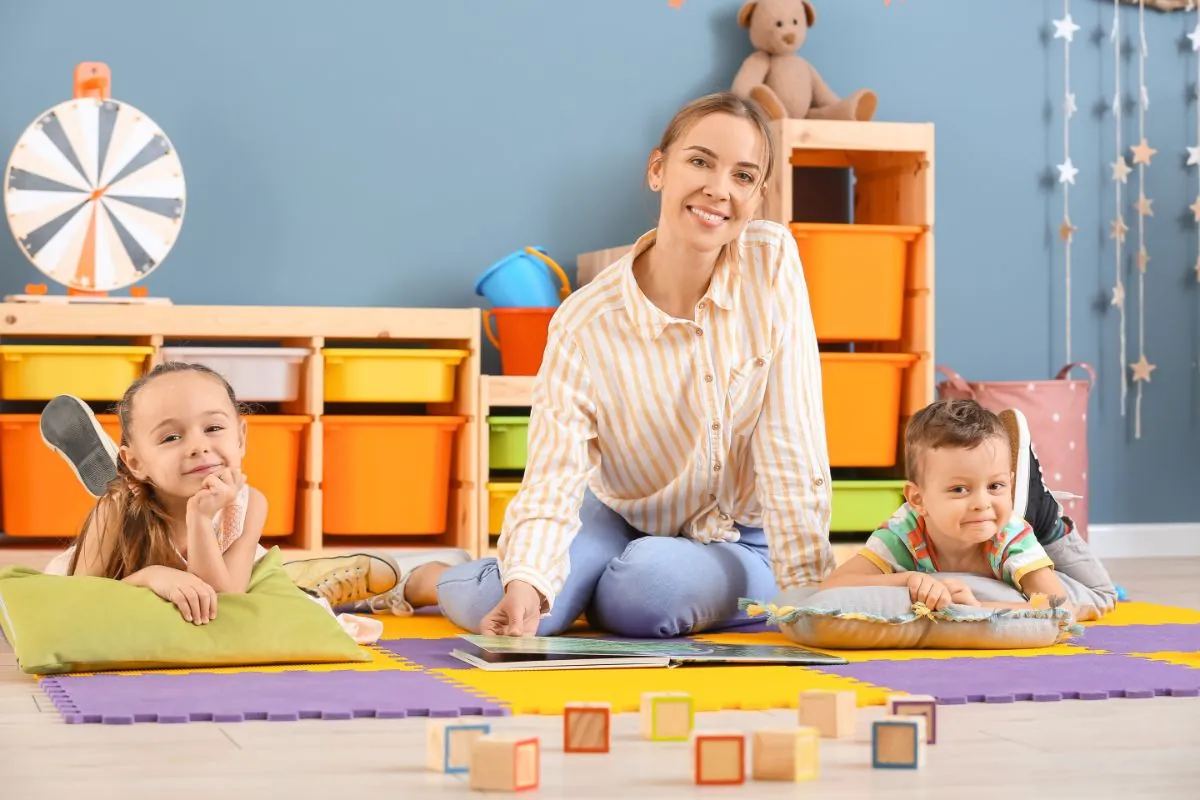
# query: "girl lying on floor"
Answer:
x=175 y=514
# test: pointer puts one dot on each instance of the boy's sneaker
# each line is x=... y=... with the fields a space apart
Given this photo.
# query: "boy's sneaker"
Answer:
x=70 y=429
x=1032 y=500
x=343 y=580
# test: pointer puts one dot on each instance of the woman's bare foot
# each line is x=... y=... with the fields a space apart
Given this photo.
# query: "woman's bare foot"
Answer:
x=421 y=588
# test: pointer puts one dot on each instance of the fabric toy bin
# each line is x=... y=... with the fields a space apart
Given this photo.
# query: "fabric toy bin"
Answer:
x=861 y=393
x=44 y=371
x=855 y=276
x=39 y=493
x=861 y=506
x=387 y=475
x=391 y=375
x=508 y=442
x=272 y=465
x=500 y=494
x=257 y=374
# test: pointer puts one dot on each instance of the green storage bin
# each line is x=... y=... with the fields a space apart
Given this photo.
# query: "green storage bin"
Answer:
x=508 y=439
x=864 y=505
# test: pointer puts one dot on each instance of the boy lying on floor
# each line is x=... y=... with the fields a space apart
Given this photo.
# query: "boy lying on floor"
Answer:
x=975 y=504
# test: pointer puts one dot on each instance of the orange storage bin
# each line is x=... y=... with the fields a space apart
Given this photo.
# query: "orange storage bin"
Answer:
x=272 y=465
x=387 y=475
x=39 y=493
x=861 y=392
x=855 y=276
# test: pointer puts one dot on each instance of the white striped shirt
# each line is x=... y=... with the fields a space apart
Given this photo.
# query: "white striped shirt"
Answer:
x=683 y=428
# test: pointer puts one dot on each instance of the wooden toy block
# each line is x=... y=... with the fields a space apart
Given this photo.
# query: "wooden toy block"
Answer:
x=898 y=742
x=586 y=727
x=448 y=743
x=831 y=713
x=505 y=763
x=720 y=758
x=667 y=716
x=917 y=704
x=786 y=755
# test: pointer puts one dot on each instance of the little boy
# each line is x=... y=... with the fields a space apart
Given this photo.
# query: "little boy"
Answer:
x=974 y=488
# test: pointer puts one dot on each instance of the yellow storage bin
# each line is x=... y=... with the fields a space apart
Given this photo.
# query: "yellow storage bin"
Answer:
x=44 y=371
x=500 y=494
x=369 y=375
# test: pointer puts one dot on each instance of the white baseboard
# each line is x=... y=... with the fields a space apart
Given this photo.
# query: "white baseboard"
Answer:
x=1150 y=540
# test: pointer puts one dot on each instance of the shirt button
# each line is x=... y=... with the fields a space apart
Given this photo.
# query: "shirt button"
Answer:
x=819 y=481
x=716 y=426
x=717 y=467
x=708 y=378
x=700 y=306
x=699 y=332
x=759 y=362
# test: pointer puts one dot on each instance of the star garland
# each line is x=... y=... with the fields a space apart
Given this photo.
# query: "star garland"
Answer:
x=1142 y=153
x=1065 y=29
x=1193 y=153
x=1120 y=175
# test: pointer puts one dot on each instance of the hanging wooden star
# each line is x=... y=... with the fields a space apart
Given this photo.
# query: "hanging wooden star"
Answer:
x=1066 y=230
x=1143 y=260
x=1142 y=369
x=1118 y=295
x=1142 y=152
x=1067 y=172
x=1118 y=229
x=1121 y=170
x=1195 y=207
x=1143 y=206
x=1065 y=28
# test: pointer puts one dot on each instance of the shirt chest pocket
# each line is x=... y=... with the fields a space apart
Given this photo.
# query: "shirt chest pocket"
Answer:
x=746 y=393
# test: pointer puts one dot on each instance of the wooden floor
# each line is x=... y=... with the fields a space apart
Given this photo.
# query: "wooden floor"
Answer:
x=1070 y=749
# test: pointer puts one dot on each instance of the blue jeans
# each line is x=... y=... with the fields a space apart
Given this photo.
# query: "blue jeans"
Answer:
x=628 y=583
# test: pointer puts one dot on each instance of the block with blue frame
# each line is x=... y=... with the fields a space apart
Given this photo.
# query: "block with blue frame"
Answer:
x=448 y=743
x=898 y=742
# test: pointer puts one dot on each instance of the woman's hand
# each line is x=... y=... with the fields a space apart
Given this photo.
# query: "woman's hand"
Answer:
x=960 y=593
x=516 y=614
x=195 y=599
x=218 y=491
x=924 y=588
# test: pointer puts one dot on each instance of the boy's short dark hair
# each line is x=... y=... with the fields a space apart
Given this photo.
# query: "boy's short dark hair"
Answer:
x=948 y=423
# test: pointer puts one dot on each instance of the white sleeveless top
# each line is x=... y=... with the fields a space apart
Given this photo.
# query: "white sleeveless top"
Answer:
x=227 y=527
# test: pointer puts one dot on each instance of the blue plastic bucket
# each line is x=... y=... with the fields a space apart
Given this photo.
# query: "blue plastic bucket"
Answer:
x=524 y=279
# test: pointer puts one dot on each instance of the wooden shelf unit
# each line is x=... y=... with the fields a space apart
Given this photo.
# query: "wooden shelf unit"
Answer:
x=310 y=328
x=495 y=391
x=893 y=172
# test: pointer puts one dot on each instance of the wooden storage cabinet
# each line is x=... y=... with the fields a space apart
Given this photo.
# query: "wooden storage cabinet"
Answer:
x=312 y=331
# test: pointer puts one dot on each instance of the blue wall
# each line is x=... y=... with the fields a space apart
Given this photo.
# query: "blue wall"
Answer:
x=384 y=153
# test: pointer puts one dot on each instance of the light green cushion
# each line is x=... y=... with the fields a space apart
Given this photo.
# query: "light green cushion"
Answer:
x=59 y=624
x=885 y=618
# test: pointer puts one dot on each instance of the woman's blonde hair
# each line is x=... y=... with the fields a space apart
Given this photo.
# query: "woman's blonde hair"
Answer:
x=735 y=106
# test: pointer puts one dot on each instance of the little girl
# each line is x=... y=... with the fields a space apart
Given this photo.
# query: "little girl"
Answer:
x=179 y=518
x=959 y=514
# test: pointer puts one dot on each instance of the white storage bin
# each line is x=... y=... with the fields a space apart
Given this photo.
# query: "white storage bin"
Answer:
x=257 y=374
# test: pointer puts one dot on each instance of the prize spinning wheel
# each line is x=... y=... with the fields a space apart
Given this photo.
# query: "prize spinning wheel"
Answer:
x=94 y=191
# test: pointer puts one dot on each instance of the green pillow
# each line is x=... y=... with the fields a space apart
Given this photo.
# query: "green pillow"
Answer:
x=59 y=624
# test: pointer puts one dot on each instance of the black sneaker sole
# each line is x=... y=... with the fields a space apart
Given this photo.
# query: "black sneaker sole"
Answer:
x=70 y=429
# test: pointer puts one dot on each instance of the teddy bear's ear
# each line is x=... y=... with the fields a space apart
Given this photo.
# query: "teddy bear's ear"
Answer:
x=810 y=13
x=746 y=12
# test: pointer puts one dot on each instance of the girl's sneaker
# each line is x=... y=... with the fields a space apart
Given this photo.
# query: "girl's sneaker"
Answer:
x=70 y=429
x=1032 y=500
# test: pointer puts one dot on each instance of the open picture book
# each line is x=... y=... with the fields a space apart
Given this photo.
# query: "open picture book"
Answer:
x=510 y=653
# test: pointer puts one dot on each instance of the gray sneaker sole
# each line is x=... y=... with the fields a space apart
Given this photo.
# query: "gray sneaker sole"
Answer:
x=71 y=430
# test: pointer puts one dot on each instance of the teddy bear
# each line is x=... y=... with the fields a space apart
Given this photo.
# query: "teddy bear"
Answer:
x=778 y=79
